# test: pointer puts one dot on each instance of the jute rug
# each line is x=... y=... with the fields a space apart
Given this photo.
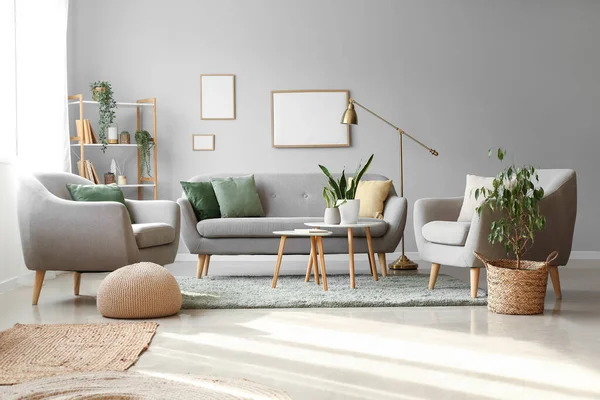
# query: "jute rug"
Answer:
x=406 y=290
x=125 y=385
x=34 y=351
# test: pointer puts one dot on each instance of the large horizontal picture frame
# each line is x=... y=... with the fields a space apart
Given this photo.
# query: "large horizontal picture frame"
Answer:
x=217 y=96
x=309 y=118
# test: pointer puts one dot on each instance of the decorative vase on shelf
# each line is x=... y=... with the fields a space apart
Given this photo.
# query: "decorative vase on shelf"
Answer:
x=349 y=211
x=122 y=180
x=332 y=216
x=125 y=137
x=113 y=134
x=109 y=178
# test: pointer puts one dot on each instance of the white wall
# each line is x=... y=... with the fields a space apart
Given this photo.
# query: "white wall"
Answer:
x=461 y=75
x=11 y=257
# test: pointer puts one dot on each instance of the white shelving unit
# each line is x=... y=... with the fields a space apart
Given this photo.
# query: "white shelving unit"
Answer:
x=149 y=103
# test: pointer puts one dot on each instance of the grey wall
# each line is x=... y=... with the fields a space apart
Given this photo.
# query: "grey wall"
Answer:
x=461 y=75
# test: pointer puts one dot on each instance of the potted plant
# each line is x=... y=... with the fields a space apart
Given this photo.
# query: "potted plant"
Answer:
x=345 y=191
x=145 y=142
x=103 y=94
x=515 y=286
x=332 y=212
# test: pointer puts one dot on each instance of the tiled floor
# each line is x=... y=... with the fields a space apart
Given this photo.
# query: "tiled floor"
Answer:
x=378 y=353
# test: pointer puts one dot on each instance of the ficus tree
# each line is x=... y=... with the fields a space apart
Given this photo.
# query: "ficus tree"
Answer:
x=516 y=198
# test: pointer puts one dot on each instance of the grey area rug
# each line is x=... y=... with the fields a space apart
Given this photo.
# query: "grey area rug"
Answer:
x=407 y=290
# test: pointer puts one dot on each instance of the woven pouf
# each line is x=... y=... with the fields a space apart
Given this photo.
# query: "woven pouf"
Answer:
x=143 y=290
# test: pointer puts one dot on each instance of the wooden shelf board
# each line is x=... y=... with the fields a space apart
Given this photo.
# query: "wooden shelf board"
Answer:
x=124 y=104
x=108 y=145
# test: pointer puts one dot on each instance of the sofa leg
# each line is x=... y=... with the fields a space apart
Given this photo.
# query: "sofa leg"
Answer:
x=553 y=270
x=206 y=263
x=435 y=269
x=37 y=286
x=200 y=265
x=474 y=282
x=382 y=263
x=76 y=282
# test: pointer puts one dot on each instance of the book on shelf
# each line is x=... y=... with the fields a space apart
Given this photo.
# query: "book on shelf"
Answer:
x=85 y=133
x=311 y=230
x=88 y=171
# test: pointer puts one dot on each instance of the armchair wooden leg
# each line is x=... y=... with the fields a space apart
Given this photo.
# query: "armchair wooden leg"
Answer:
x=382 y=263
x=435 y=269
x=76 y=282
x=200 y=265
x=474 y=282
x=37 y=286
x=206 y=264
x=553 y=270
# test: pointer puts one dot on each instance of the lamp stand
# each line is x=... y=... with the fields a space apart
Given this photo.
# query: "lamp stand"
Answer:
x=349 y=117
x=403 y=262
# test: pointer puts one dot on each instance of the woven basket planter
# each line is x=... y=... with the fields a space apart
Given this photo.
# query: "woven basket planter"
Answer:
x=517 y=291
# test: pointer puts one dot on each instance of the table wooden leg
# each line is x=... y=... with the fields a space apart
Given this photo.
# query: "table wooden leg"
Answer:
x=313 y=252
x=351 y=256
x=371 y=254
x=322 y=258
x=309 y=267
x=278 y=264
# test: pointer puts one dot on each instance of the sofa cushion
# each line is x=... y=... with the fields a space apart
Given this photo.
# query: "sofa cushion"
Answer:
x=237 y=197
x=446 y=232
x=153 y=234
x=470 y=204
x=264 y=227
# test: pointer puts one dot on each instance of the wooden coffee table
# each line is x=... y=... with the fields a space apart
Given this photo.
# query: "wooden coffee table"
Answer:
x=316 y=240
x=367 y=227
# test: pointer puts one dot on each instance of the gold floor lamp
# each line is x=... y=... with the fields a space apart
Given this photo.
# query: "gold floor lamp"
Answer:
x=350 y=118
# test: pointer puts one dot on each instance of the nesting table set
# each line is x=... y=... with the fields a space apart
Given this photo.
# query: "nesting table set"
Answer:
x=316 y=248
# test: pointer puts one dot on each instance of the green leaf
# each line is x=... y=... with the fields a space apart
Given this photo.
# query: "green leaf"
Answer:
x=501 y=154
x=476 y=194
x=489 y=152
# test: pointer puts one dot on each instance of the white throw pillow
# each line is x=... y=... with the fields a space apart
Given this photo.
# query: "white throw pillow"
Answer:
x=467 y=211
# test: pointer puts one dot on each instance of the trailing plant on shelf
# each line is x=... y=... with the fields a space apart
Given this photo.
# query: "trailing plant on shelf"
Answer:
x=103 y=94
x=344 y=188
x=515 y=195
x=145 y=142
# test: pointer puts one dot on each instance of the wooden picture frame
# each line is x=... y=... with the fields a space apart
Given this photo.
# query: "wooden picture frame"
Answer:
x=203 y=142
x=217 y=97
x=309 y=118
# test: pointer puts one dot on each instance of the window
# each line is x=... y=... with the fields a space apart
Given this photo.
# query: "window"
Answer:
x=8 y=82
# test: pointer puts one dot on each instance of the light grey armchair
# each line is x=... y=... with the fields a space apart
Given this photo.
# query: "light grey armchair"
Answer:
x=60 y=234
x=442 y=240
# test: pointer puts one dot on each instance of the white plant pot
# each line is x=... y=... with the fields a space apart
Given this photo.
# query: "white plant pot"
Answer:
x=332 y=216
x=349 y=211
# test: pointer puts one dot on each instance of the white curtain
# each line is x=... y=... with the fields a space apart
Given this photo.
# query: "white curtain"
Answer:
x=41 y=85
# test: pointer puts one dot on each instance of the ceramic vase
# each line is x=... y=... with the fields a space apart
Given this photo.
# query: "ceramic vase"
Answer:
x=349 y=211
x=121 y=180
x=332 y=216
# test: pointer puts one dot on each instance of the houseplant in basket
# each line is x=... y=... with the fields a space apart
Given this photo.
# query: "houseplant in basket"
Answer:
x=515 y=286
x=345 y=191
x=103 y=94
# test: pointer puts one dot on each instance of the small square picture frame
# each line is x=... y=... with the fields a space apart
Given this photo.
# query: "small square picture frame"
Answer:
x=203 y=142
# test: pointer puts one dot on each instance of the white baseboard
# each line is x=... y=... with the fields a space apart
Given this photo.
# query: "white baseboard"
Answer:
x=413 y=255
x=9 y=284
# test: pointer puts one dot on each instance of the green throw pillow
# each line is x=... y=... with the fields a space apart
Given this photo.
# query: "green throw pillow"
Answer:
x=97 y=193
x=202 y=198
x=237 y=197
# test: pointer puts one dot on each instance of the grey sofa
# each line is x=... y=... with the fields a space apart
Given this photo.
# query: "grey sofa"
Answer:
x=443 y=241
x=288 y=200
x=59 y=234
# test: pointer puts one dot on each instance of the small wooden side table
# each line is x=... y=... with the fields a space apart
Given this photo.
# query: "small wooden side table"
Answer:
x=367 y=226
x=316 y=241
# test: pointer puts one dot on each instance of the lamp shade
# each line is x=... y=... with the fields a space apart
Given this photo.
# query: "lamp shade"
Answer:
x=350 y=117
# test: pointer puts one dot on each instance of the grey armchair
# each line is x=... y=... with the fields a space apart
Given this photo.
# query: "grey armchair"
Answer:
x=59 y=234
x=443 y=241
